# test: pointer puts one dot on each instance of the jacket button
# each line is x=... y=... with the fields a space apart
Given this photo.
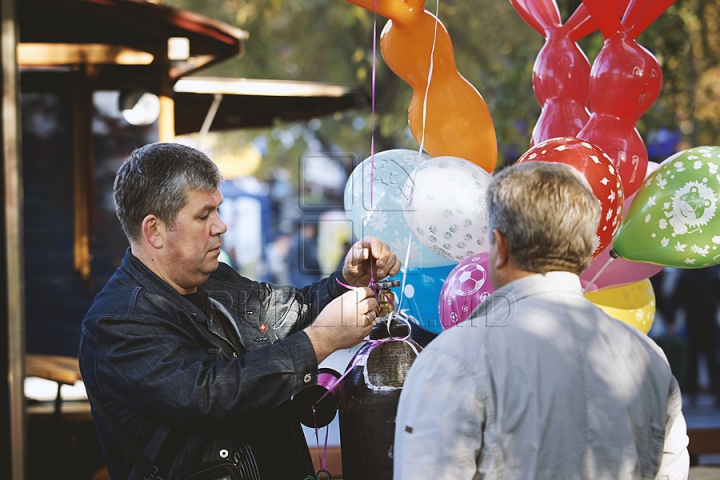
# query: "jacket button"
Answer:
x=223 y=453
x=307 y=378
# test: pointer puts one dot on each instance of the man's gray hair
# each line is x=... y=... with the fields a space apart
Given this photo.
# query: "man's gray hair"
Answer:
x=154 y=180
x=548 y=214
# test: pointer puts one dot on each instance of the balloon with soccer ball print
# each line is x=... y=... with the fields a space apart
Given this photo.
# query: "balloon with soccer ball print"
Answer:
x=446 y=208
x=673 y=219
x=467 y=286
x=598 y=170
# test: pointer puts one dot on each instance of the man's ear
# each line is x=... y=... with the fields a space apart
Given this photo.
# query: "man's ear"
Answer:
x=153 y=230
x=502 y=258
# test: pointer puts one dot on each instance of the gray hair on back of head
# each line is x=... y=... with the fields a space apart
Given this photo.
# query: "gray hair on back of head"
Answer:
x=548 y=214
x=154 y=180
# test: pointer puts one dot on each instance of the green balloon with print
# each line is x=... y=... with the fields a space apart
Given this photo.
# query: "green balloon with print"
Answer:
x=673 y=220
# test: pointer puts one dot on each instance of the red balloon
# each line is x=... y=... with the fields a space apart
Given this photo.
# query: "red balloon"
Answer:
x=625 y=81
x=561 y=74
x=467 y=286
x=600 y=173
x=539 y=14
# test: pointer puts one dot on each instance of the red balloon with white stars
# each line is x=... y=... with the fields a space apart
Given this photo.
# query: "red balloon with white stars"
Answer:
x=600 y=173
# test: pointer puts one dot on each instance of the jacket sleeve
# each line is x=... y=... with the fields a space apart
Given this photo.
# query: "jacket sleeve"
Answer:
x=675 y=464
x=438 y=428
x=289 y=310
x=149 y=357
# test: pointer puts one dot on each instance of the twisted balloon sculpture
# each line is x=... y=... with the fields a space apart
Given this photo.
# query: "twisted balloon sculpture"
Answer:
x=561 y=74
x=448 y=117
x=625 y=81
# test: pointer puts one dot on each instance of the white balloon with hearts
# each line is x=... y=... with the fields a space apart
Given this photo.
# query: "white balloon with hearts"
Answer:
x=446 y=206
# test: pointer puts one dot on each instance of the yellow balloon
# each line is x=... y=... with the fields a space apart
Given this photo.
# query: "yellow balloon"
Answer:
x=633 y=304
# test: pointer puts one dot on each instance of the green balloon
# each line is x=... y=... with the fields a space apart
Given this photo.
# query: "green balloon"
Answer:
x=673 y=220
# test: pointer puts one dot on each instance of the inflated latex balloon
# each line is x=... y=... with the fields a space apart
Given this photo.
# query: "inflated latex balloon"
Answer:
x=625 y=81
x=467 y=286
x=421 y=294
x=374 y=204
x=633 y=304
x=606 y=271
x=673 y=219
x=561 y=74
x=600 y=173
x=457 y=119
x=446 y=207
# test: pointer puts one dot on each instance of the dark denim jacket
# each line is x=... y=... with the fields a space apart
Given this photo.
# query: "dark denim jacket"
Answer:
x=180 y=389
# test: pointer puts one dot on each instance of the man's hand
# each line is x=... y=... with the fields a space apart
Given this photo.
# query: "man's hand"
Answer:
x=369 y=255
x=343 y=323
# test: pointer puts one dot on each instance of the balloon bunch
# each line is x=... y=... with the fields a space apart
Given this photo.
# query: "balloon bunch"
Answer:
x=432 y=212
x=670 y=221
x=431 y=208
x=623 y=82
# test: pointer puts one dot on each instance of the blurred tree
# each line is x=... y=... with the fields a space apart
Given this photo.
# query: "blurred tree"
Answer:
x=332 y=41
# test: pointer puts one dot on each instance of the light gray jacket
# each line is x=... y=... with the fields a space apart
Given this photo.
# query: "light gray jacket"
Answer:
x=541 y=384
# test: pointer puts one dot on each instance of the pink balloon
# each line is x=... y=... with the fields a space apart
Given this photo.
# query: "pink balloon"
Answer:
x=619 y=271
x=467 y=286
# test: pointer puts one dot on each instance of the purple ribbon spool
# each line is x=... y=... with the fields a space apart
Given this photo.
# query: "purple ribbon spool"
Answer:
x=316 y=405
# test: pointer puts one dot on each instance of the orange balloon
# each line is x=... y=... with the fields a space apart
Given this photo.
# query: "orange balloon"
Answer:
x=457 y=119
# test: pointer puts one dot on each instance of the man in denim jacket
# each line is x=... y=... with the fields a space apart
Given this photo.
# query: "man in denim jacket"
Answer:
x=196 y=362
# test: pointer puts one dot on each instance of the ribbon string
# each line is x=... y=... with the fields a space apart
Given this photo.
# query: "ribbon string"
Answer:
x=613 y=256
x=396 y=314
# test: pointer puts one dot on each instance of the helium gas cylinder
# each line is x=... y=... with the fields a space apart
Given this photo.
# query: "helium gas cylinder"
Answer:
x=369 y=392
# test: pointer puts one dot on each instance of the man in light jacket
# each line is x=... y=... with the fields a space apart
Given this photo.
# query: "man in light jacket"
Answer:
x=540 y=383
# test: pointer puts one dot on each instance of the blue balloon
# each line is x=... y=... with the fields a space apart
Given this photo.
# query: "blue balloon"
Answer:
x=422 y=295
x=374 y=205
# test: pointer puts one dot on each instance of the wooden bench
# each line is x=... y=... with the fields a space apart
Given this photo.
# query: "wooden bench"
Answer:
x=60 y=369
x=703 y=441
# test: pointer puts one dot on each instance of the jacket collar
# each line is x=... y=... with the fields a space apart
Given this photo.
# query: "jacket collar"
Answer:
x=149 y=280
x=539 y=283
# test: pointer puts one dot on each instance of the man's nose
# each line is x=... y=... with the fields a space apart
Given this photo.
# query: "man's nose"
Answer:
x=219 y=227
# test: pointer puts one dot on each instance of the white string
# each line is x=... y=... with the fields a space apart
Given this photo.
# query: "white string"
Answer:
x=422 y=144
x=430 y=74
x=599 y=272
x=404 y=277
x=397 y=312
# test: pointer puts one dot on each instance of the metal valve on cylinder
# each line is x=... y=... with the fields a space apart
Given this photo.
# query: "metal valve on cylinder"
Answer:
x=386 y=324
